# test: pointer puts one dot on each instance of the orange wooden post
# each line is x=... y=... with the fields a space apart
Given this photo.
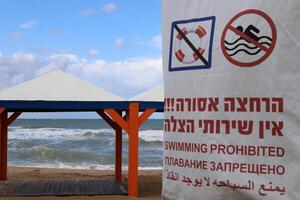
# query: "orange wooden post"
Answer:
x=3 y=144
x=133 y=158
x=118 y=153
x=131 y=124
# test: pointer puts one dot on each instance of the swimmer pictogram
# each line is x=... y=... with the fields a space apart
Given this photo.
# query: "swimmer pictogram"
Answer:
x=246 y=44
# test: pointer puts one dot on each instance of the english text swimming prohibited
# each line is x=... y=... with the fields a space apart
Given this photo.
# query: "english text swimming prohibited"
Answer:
x=191 y=44
x=246 y=44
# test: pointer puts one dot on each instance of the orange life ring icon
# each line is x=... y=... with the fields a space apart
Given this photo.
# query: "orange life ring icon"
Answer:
x=186 y=57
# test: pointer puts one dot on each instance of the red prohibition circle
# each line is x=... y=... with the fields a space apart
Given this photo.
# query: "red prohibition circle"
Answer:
x=269 y=50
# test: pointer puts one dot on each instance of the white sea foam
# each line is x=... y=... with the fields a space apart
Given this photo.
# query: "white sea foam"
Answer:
x=54 y=133
x=151 y=135
x=63 y=133
x=81 y=166
x=76 y=147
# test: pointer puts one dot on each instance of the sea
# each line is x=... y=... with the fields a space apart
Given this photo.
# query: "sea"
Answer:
x=79 y=144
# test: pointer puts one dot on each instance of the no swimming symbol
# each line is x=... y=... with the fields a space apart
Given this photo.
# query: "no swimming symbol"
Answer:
x=245 y=44
x=248 y=39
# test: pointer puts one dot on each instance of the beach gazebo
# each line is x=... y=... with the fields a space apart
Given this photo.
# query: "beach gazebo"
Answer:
x=147 y=102
x=58 y=91
x=155 y=94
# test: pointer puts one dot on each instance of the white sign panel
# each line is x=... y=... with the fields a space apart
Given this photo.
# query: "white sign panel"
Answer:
x=232 y=99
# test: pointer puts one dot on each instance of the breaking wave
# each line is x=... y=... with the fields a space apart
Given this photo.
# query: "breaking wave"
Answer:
x=70 y=144
x=63 y=133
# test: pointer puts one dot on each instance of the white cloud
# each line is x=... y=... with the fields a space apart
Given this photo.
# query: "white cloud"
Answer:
x=93 y=52
x=24 y=57
x=119 y=42
x=109 y=7
x=89 y=12
x=124 y=77
x=17 y=68
x=28 y=24
x=156 y=41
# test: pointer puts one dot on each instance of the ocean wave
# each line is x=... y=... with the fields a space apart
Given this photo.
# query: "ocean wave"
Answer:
x=48 y=154
x=60 y=165
x=56 y=133
x=15 y=127
x=62 y=133
x=77 y=147
x=151 y=135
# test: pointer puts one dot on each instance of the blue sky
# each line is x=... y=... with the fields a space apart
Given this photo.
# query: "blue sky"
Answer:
x=115 y=45
x=76 y=26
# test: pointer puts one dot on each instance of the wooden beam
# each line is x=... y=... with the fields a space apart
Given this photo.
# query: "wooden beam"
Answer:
x=13 y=117
x=118 y=153
x=3 y=144
x=133 y=160
x=107 y=119
x=118 y=119
x=146 y=114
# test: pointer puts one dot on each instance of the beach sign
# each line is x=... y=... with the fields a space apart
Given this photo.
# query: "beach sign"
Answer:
x=191 y=44
x=232 y=100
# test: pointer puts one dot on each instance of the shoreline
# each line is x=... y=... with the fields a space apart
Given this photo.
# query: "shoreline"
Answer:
x=149 y=181
x=105 y=168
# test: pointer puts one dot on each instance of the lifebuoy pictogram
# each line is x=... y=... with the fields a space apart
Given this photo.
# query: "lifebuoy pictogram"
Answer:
x=181 y=55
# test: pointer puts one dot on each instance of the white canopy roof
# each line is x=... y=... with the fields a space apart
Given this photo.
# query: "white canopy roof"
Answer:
x=154 y=94
x=57 y=86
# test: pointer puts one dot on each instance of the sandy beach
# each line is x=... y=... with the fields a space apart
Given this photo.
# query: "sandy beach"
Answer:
x=149 y=181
